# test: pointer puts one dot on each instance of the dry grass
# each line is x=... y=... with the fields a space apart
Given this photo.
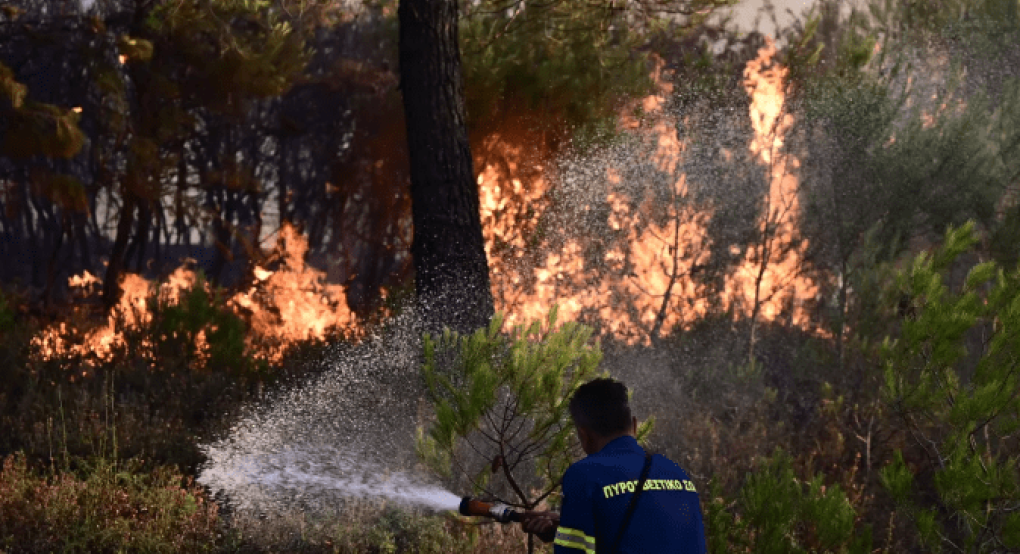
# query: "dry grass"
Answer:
x=103 y=507
x=373 y=527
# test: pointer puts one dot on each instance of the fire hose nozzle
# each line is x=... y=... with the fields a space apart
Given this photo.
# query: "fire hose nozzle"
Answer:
x=499 y=512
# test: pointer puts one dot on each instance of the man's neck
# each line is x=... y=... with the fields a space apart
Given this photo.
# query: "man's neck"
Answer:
x=601 y=443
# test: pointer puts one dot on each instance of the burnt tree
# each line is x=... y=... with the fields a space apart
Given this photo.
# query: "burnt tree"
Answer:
x=452 y=276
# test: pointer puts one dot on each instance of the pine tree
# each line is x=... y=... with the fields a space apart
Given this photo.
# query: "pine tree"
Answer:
x=778 y=513
x=952 y=376
x=502 y=426
x=451 y=269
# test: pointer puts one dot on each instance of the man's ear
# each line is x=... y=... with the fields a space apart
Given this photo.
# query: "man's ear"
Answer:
x=633 y=423
x=585 y=436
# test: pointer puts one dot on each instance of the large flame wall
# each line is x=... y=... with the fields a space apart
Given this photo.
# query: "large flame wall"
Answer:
x=636 y=278
x=635 y=274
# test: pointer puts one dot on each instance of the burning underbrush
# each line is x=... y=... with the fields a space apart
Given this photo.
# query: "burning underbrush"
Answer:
x=286 y=302
x=168 y=365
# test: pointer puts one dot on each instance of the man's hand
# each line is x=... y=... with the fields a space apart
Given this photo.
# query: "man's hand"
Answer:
x=542 y=524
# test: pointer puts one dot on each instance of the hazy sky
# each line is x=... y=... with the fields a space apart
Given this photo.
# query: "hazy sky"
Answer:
x=746 y=11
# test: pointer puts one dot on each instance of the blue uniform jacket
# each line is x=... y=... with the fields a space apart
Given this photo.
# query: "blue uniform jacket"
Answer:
x=597 y=489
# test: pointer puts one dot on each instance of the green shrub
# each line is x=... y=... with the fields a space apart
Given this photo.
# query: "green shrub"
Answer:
x=501 y=406
x=201 y=312
x=399 y=531
x=778 y=513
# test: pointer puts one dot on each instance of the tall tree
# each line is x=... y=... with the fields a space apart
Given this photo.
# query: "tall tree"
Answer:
x=451 y=271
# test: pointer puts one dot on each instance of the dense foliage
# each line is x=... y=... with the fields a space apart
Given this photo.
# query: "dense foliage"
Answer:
x=951 y=377
x=113 y=507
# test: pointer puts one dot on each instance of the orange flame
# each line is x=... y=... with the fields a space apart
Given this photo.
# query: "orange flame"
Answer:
x=641 y=286
x=779 y=283
x=131 y=312
x=638 y=287
x=290 y=304
x=293 y=303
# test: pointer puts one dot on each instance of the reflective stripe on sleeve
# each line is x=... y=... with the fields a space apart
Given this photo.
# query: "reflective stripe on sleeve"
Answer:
x=572 y=538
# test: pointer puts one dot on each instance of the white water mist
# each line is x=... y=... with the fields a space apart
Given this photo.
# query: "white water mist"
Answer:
x=318 y=476
x=346 y=434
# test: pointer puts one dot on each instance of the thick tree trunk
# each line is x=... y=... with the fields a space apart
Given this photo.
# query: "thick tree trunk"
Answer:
x=452 y=274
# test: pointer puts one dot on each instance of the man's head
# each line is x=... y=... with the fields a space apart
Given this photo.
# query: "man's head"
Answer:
x=601 y=412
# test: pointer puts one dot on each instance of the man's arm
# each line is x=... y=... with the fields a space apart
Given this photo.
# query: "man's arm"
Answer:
x=576 y=531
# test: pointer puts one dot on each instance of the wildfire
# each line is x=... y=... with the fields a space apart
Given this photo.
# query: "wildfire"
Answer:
x=640 y=285
x=636 y=274
x=777 y=285
x=60 y=341
x=293 y=303
x=283 y=306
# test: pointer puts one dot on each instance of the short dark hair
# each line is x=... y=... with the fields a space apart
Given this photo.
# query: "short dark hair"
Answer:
x=602 y=406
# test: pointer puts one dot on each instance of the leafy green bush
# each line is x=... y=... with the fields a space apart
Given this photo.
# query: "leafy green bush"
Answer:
x=399 y=531
x=110 y=507
x=201 y=312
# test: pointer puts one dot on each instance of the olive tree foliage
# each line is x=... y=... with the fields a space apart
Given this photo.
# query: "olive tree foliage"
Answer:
x=502 y=426
x=952 y=376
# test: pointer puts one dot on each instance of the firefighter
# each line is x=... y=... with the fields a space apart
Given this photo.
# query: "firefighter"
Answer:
x=603 y=511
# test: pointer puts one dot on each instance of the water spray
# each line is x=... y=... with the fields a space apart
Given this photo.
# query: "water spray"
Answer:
x=499 y=512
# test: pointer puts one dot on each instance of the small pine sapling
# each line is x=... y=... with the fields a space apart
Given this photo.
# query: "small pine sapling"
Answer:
x=502 y=427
